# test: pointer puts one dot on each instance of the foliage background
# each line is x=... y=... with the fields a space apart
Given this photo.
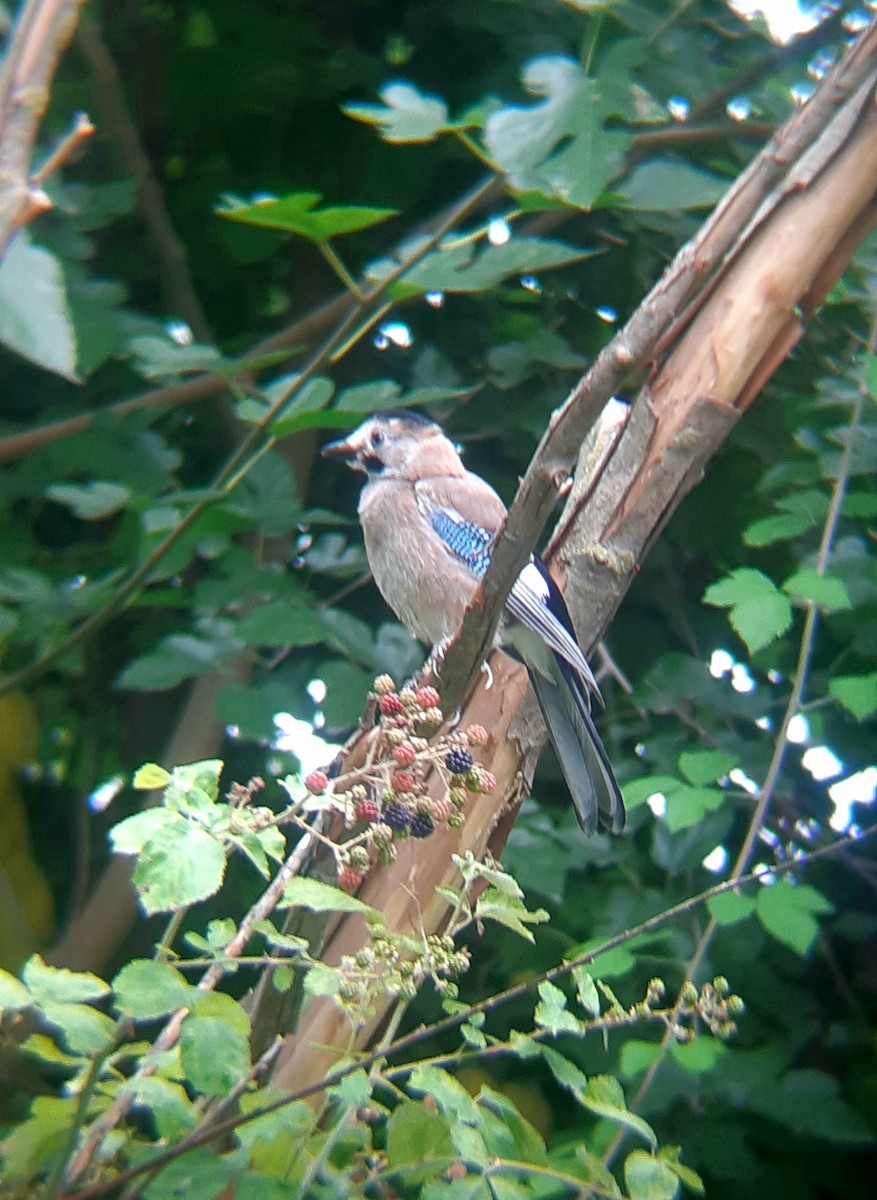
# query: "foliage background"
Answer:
x=215 y=99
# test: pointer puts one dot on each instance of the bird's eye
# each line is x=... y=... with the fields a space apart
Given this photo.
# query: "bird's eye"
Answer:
x=377 y=438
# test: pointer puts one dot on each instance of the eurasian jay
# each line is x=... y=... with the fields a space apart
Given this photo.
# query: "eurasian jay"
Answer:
x=429 y=525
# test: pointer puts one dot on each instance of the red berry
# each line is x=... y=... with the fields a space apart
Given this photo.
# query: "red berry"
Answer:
x=440 y=810
x=367 y=811
x=486 y=780
x=403 y=781
x=317 y=782
x=349 y=880
x=405 y=754
x=427 y=697
x=477 y=735
x=390 y=705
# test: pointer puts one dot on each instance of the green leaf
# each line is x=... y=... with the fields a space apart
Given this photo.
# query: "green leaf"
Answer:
x=132 y=834
x=857 y=693
x=34 y=316
x=407 y=115
x=560 y=145
x=825 y=591
x=638 y=791
x=566 y=1073
x=158 y=357
x=699 y=1055
x=605 y=1098
x=666 y=186
x=83 y=1030
x=215 y=1055
x=172 y=1110
x=508 y=910
x=706 y=766
x=200 y=1174
x=759 y=611
x=321 y=897
x=150 y=776
x=12 y=993
x=417 y=1134
x=688 y=1178
x=589 y=996
x=779 y=527
x=298 y=213
x=90 y=501
x=32 y=1144
x=649 y=1178
x=145 y=989
x=47 y=983
x=321 y=981
x=551 y=1011
x=281 y=623
x=731 y=907
x=448 y=1093
x=180 y=864
x=528 y=1144
x=637 y=1057
x=468 y=267
x=687 y=806
x=788 y=912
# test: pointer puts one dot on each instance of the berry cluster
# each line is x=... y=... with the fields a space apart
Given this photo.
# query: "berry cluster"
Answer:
x=391 y=799
x=390 y=964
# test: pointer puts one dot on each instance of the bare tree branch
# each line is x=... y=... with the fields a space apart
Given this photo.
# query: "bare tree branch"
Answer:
x=39 y=37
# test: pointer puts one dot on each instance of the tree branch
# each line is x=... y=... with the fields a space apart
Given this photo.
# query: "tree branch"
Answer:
x=40 y=35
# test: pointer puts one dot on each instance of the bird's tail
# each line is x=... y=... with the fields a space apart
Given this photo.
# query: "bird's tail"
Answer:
x=595 y=793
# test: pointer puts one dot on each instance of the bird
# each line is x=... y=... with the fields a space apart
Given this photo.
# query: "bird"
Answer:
x=429 y=525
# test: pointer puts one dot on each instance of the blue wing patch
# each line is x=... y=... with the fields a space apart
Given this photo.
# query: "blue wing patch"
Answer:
x=470 y=543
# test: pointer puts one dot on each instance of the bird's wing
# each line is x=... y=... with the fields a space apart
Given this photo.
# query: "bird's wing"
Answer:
x=536 y=602
x=465 y=513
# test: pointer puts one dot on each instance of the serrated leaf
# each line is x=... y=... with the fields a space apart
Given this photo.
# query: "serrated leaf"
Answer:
x=508 y=910
x=759 y=612
x=172 y=1110
x=551 y=1012
x=13 y=993
x=857 y=693
x=317 y=896
x=215 y=1055
x=180 y=864
x=34 y=316
x=298 y=213
x=90 y=501
x=145 y=989
x=788 y=912
x=825 y=591
x=416 y=1134
x=605 y=1098
x=649 y=1178
x=589 y=997
x=82 y=1029
x=448 y=1093
x=407 y=115
x=132 y=834
x=47 y=983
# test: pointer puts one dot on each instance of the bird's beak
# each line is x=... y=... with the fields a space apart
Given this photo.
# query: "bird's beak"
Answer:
x=343 y=449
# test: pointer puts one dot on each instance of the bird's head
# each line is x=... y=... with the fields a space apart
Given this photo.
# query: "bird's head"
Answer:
x=397 y=445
